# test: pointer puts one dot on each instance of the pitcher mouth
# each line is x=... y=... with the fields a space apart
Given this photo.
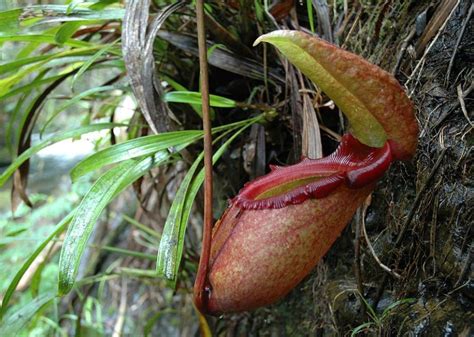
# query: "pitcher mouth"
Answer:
x=353 y=164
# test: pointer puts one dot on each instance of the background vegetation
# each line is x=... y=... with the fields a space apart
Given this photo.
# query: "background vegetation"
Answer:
x=101 y=165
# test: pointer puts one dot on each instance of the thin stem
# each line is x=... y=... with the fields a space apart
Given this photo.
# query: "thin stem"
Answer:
x=207 y=228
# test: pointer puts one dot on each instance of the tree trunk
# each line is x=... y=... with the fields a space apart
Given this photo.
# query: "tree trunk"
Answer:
x=419 y=219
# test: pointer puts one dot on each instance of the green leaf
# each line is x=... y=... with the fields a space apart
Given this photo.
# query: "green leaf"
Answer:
x=82 y=224
x=107 y=48
x=30 y=86
x=338 y=76
x=9 y=21
x=126 y=252
x=101 y=4
x=29 y=48
x=370 y=311
x=150 y=323
x=19 y=62
x=171 y=246
x=169 y=256
x=142 y=227
x=72 y=4
x=43 y=38
x=309 y=9
x=16 y=279
x=392 y=306
x=67 y=30
x=109 y=64
x=192 y=97
x=54 y=139
x=109 y=185
x=196 y=107
x=134 y=148
x=361 y=328
x=9 y=81
x=63 y=13
x=14 y=323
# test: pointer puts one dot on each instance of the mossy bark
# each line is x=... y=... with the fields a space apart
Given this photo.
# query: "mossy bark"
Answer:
x=419 y=220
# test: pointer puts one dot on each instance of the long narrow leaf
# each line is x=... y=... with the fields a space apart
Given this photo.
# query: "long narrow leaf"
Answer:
x=178 y=87
x=193 y=97
x=145 y=146
x=44 y=38
x=112 y=63
x=133 y=174
x=19 y=62
x=9 y=81
x=29 y=86
x=134 y=148
x=167 y=262
x=67 y=30
x=83 y=222
x=9 y=20
x=107 y=187
x=94 y=58
x=65 y=13
x=172 y=241
x=362 y=328
x=14 y=323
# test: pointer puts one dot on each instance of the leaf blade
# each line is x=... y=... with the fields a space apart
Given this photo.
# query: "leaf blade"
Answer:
x=83 y=221
x=171 y=245
x=137 y=147
x=13 y=324
x=192 y=97
x=106 y=188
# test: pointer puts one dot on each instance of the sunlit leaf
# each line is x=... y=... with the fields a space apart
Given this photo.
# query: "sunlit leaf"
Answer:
x=9 y=21
x=9 y=81
x=101 y=4
x=15 y=64
x=21 y=89
x=63 y=13
x=192 y=97
x=29 y=86
x=67 y=30
x=43 y=38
